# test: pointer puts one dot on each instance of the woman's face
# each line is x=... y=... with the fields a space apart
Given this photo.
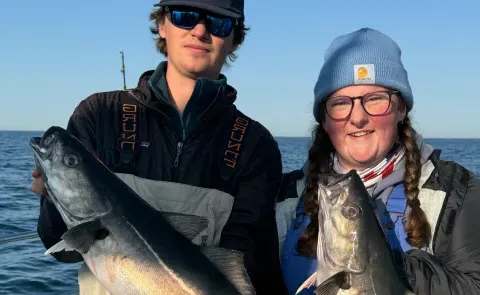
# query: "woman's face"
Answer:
x=362 y=140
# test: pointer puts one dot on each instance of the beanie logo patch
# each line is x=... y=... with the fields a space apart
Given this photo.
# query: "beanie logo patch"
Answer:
x=364 y=74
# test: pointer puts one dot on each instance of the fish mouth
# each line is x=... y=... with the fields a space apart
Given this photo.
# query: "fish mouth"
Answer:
x=331 y=180
x=40 y=156
x=43 y=148
x=332 y=184
x=35 y=145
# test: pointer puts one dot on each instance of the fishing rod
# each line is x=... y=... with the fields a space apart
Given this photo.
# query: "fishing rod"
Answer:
x=123 y=70
x=18 y=237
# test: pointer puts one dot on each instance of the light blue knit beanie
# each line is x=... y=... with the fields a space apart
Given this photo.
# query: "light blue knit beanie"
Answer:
x=366 y=57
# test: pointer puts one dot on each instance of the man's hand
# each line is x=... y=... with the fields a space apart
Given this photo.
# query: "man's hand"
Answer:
x=38 y=186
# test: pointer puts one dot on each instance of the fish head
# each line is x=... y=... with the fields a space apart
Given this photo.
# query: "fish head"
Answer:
x=69 y=171
x=343 y=226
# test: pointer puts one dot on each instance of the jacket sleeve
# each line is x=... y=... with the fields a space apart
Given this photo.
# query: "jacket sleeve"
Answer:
x=458 y=271
x=50 y=226
x=251 y=227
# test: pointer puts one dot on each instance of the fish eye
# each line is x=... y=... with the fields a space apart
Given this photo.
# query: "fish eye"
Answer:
x=70 y=160
x=351 y=211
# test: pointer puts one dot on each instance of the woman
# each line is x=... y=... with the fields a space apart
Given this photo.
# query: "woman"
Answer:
x=362 y=105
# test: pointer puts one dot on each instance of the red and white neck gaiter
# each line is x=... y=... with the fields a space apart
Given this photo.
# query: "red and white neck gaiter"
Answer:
x=381 y=170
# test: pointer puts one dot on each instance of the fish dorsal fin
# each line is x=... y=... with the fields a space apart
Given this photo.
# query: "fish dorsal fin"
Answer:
x=308 y=283
x=188 y=225
x=231 y=264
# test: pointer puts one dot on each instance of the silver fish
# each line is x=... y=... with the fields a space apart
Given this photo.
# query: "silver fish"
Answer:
x=354 y=256
x=128 y=245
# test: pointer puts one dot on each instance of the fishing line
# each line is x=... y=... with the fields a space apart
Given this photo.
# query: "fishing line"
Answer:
x=18 y=237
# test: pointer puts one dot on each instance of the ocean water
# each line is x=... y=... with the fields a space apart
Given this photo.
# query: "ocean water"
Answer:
x=23 y=267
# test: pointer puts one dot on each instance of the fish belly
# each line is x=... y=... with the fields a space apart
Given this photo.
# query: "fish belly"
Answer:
x=125 y=275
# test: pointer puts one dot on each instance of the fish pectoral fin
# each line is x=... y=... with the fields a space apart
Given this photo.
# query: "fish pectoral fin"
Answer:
x=60 y=246
x=331 y=285
x=231 y=264
x=308 y=283
x=82 y=236
x=188 y=225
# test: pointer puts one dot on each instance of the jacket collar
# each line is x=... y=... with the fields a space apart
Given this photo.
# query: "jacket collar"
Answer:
x=209 y=96
x=204 y=92
x=154 y=87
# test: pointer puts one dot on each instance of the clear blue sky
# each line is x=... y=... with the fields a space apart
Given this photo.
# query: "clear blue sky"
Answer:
x=55 y=53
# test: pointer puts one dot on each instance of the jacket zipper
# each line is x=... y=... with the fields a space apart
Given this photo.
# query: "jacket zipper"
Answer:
x=184 y=135
x=179 y=152
x=179 y=144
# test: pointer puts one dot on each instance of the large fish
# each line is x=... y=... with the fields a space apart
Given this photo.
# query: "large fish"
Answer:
x=354 y=256
x=128 y=245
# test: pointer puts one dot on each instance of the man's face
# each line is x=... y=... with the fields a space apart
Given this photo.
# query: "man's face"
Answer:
x=194 y=52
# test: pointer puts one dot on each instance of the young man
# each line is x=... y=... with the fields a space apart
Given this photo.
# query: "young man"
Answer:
x=179 y=129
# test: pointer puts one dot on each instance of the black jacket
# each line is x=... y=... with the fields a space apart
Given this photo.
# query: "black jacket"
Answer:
x=455 y=267
x=189 y=149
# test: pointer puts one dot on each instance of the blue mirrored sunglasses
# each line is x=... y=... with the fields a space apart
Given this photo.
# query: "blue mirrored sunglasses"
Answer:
x=187 y=18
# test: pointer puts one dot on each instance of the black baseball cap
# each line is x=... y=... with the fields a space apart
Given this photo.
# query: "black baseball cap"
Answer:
x=230 y=8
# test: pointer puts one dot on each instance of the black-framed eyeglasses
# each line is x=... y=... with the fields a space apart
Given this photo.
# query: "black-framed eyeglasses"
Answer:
x=374 y=103
x=188 y=18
